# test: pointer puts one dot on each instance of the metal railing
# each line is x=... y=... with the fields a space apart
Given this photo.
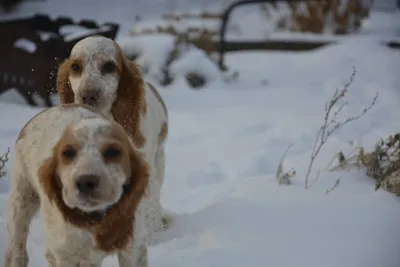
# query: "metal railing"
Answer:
x=225 y=18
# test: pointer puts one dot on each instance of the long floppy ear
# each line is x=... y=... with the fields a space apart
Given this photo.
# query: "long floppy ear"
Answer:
x=63 y=85
x=130 y=101
x=140 y=172
x=48 y=178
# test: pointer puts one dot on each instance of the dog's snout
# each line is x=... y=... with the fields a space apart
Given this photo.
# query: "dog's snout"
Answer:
x=90 y=98
x=87 y=183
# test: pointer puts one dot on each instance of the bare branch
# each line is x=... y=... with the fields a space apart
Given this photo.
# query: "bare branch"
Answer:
x=330 y=124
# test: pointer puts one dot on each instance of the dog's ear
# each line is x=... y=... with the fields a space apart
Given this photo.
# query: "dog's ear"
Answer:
x=48 y=177
x=128 y=106
x=140 y=172
x=63 y=85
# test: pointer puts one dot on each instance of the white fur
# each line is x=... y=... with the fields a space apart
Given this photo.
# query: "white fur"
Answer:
x=154 y=151
x=93 y=51
x=68 y=244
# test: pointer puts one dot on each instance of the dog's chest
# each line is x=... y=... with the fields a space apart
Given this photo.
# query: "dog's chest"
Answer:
x=69 y=241
x=80 y=245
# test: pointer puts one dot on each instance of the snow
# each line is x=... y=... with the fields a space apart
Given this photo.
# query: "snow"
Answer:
x=150 y=51
x=195 y=60
x=26 y=45
x=72 y=32
x=224 y=148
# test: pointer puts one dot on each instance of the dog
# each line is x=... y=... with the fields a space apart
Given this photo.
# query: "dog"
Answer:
x=82 y=171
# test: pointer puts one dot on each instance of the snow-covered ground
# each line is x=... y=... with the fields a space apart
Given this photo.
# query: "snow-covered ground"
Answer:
x=224 y=147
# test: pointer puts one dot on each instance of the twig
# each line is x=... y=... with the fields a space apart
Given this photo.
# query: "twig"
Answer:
x=333 y=187
x=281 y=176
x=330 y=125
x=343 y=160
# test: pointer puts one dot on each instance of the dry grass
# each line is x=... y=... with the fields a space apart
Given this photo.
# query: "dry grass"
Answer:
x=336 y=16
x=329 y=126
x=284 y=177
x=382 y=164
x=3 y=161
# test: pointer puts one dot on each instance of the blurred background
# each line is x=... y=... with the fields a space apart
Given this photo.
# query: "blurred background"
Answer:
x=174 y=40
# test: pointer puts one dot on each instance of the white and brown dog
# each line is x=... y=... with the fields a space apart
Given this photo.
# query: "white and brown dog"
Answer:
x=98 y=74
x=84 y=174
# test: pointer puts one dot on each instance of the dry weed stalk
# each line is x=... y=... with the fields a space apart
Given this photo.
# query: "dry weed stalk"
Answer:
x=281 y=176
x=333 y=187
x=3 y=161
x=331 y=125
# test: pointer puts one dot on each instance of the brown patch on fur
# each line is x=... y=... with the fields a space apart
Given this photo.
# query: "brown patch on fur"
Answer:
x=63 y=85
x=164 y=128
x=114 y=230
x=163 y=132
x=127 y=107
x=158 y=96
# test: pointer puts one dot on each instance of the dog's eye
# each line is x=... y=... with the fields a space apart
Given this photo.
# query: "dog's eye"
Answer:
x=75 y=68
x=108 y=67
x=111 y=153
x=69 y=153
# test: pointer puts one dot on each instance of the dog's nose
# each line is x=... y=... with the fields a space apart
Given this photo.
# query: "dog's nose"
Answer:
x=87 y=183
x=90 y=98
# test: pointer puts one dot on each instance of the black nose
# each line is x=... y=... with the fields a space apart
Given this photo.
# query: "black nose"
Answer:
x=87 y=183
x=90 y=98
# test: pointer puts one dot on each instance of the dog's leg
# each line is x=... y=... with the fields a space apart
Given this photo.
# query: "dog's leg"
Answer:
x=142 y=259
x=160 y=171
x=138 y=257
x=72 y=255
x=22 y=204
x=50 y=258
x=155 y=222
x=71 y=261
x=166 y=217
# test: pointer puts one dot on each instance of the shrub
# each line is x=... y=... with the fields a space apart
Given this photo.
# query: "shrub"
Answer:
x=329 y=126
x=334 y=16
x=382 y=164
x=3 y=161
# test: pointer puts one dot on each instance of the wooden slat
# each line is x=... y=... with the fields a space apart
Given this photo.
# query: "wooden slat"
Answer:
x=266 y=45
